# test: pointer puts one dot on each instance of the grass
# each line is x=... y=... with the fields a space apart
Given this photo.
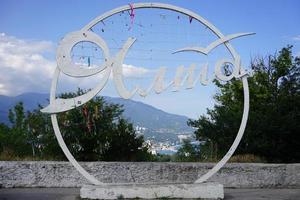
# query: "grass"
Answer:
x=247 y=158
x=10 y=156
x=244 y=158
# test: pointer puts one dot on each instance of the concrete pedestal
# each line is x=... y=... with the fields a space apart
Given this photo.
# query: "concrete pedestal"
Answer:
x=153 y=191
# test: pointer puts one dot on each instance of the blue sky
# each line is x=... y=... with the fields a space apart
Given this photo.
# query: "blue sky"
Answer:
x=30 y=31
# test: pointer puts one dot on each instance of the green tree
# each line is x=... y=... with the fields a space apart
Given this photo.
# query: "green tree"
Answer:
x=17 y=138
x=188 y=152
x=273 y=126
x=94 y=131
x=4 y=130
x=97 y=131
x=42 y=136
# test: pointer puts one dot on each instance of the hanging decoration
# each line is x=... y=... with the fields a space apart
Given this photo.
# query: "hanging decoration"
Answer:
x=131 y=16
x=89 y=61
x=191 y=19
x=87 y=118
x=96 y=111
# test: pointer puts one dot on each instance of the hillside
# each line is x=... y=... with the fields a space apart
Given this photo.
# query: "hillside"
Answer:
x=159 y=125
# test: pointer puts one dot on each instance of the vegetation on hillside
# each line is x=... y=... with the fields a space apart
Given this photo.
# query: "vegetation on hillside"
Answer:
x=97 y=130
x=273 y=128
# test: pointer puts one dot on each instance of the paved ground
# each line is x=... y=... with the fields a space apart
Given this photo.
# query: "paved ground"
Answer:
x=73 y=194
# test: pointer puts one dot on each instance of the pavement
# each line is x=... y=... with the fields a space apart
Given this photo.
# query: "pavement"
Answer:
x=73 y=194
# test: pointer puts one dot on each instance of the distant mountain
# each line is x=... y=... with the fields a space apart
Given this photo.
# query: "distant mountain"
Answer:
x=159 y=124
x=30 y=101
x=144 y=115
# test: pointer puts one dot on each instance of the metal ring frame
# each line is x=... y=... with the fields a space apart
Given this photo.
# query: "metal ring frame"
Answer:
x=233 y=53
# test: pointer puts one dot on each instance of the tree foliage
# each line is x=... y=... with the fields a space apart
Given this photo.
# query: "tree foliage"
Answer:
x=188 y=152
x=94 y=131
x=273 y=126
x=101 y=132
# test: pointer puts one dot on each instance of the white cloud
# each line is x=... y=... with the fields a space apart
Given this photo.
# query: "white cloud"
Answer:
x=129 y=71
x=296 y=38
x=2 y=89
x=23 y=67
x=133 y=71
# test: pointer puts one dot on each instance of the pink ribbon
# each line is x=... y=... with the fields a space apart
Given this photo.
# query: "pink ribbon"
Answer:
x=131 y=15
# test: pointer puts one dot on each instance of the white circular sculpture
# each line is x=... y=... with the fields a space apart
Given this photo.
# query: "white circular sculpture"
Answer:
x=113 y=64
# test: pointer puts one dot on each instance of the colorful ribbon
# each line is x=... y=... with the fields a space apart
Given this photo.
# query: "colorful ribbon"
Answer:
x=131 y=15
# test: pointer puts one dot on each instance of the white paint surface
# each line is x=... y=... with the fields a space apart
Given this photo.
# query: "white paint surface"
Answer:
x=115 y=64
x=153 y=191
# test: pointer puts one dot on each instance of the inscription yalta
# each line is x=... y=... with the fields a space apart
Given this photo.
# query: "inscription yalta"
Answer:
x=115 y=64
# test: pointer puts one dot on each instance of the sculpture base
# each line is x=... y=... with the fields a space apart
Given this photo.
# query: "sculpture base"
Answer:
x=153 y=191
